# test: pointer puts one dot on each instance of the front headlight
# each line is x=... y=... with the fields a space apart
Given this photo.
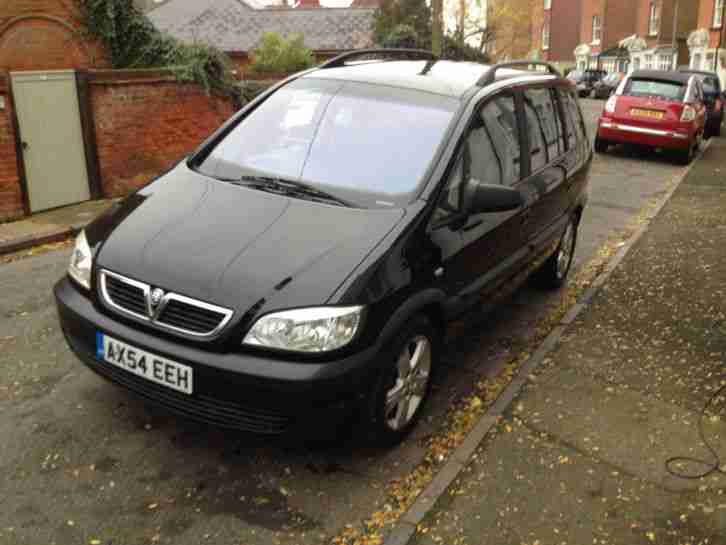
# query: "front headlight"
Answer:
x=319 y=329
x=79 y=268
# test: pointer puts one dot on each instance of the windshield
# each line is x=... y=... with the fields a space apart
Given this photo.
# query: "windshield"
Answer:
x=575 y=76
x=370 y=145
x=669 y=90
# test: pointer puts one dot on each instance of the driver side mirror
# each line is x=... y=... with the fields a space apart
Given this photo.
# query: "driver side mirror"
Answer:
x=484 y=198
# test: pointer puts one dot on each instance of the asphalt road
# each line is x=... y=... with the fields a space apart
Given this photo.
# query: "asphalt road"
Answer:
x=81 y=460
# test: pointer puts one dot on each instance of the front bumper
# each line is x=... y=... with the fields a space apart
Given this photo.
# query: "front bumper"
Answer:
x=625 y=133
x=234 y=390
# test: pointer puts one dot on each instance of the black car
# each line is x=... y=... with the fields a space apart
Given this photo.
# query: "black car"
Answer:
x=714 y=99
x=608 y=85
x=301 y=265
x=585 y=80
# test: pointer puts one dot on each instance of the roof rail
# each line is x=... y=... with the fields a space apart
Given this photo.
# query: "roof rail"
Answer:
x=490 y=75
x=340 y=60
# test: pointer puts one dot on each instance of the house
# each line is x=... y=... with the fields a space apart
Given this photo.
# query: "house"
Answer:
x=237 y=26
x=554 y=34
x=662 y=29
x=603 y=25
x=706 y=43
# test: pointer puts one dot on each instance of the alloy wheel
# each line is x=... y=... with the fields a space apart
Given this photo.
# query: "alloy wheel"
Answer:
x=567 y=248
x=412 y=375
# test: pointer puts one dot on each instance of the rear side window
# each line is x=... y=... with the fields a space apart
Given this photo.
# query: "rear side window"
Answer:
x=540 y=100
x=711 y=85
x=574 y=124
x=501 y=121
x=668 y=90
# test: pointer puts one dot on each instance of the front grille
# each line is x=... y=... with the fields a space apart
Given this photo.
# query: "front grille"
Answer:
x=131 y=298
x=182 y=315
x=173 y=312
x=218 y=412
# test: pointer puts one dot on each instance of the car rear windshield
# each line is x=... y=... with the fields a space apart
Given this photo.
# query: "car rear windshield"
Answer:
x=668 y=90
x=370 y=145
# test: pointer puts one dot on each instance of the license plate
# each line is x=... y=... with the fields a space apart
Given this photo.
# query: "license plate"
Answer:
x=650 y=114
x=144 y=364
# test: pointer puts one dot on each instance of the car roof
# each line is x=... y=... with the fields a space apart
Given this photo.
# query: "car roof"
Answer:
x=699 y=72
x=662 y=75
x=448 y=78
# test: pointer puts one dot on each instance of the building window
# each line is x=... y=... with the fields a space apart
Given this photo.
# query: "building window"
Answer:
x=718 y=13
x=710 y=62
x=649 y=62
x=546 y=36
x=696 y=61
x=596 y=29
x=654 y=21
x=636 y=63
x=548 y=4
x=665 y=62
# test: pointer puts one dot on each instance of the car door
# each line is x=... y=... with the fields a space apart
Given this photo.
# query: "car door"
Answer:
x=548 y=169
x=480 y=251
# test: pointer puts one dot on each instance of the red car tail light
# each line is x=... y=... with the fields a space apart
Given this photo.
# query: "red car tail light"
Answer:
x=689 y=114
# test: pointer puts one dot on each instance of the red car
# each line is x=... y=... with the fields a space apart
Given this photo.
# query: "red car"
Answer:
x=657 y=109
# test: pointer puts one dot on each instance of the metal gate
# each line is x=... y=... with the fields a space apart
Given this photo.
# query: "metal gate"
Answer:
x=52 y=139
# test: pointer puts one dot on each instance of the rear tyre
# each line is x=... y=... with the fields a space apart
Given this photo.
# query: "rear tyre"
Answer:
x=405 y=381
x=554 y=271
x=601 y=146
x=686 y=156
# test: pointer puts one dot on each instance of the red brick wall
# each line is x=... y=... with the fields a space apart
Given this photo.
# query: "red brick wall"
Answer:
x=11 y=205
x=705 y=20
x=564 y=31
x=145 y=122
x=45 y=35
x=619 y=21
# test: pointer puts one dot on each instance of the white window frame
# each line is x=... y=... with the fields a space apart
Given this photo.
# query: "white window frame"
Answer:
x=648 y=62
x=654 y=19
x=665 y=62
x=718 y=13
x=697 y=61
x=596 y=29
x=546 y=36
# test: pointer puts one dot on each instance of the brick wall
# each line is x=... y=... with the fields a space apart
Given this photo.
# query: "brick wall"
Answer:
x=619 y=21
x=564 y=32
x=705 y=20
x=145 y=122
x=11 y=205
x=45 y=35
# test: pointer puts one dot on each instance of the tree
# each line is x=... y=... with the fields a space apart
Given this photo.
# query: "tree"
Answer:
x=403 y=23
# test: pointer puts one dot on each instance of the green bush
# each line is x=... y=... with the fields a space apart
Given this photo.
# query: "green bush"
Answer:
x=282 y=56
x=133 y=42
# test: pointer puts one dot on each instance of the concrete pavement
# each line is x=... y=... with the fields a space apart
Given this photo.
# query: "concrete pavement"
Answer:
x=581 y=456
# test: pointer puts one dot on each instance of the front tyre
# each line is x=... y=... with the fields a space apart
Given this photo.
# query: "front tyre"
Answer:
x=554 y=271
x=405 y=382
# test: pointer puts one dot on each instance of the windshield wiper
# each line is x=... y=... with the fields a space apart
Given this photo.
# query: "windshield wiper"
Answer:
x=290 y=187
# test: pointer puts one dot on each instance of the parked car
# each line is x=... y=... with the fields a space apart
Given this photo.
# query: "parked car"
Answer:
x=301 y=265
x=714 y=98
x=658 y=109
x=585 y=80
x=607 y=86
